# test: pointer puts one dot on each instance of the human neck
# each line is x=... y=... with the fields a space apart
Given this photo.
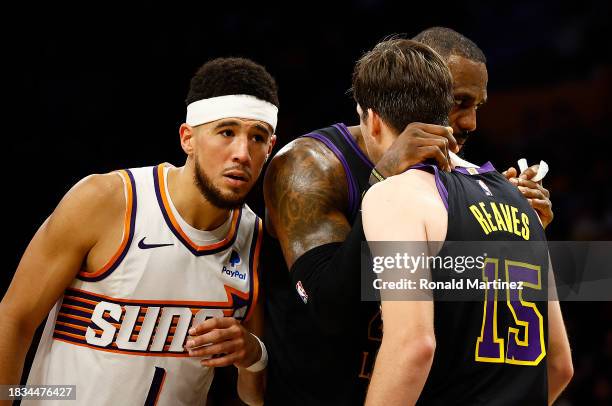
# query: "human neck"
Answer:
x=376 y=152
x=358 y=137
x=189 y=202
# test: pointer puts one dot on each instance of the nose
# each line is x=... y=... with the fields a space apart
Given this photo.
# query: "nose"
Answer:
x=240 y=150
x=467 y=121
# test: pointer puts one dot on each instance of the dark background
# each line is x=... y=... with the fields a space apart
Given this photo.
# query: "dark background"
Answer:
x=93 y=90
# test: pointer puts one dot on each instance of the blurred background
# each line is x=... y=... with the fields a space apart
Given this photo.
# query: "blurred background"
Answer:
x=97 y=89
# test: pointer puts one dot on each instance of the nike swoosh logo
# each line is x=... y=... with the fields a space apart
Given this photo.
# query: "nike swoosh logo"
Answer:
x=143 y=246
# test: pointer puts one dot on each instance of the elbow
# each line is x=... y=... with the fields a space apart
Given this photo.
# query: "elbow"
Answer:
x=564 y=371
x=425 y=349
x=561 y=369
x=416 y=350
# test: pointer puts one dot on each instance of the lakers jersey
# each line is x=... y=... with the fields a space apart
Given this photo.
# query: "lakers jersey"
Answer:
x=118 y=334
x=492 y=351
x=309 y=365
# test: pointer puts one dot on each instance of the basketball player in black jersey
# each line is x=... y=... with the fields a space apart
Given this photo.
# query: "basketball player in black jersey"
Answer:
x=324 y=338
x=472 y=365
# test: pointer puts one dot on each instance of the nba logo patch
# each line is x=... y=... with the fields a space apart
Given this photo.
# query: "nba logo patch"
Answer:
x=485 y=188
x=301 y=292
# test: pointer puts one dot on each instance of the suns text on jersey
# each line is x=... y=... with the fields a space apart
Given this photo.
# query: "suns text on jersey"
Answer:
x=163 y=329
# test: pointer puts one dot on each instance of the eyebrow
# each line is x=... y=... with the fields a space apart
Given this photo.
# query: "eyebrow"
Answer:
x=234 y=123
x=469 y=96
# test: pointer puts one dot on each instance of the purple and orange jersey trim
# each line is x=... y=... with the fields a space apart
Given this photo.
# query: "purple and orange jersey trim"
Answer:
x=164 y=205
x=75 y=314
x=128 y=233
x=254 y=265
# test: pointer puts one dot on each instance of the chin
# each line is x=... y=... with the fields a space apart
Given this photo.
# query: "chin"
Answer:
x=236 y=194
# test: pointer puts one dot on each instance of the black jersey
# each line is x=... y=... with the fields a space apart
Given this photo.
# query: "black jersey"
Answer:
x=309 y=366
x=490 y=352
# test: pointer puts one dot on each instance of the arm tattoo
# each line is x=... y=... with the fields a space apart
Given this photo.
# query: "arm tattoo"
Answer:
x=306 y=195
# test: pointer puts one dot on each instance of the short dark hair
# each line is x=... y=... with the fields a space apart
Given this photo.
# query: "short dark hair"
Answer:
x=403 y=81
x=226 y=76
x=449 y=42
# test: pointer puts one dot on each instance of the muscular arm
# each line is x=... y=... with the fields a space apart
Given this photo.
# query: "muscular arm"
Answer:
x=404 y=208
x=305 y=190
x=306 y=195
x=58 y=250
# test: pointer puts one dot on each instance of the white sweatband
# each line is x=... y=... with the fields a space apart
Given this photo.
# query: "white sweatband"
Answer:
x=235 y=105
x=263 y=361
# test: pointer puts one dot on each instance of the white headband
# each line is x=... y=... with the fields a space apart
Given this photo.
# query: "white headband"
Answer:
x=236 y=105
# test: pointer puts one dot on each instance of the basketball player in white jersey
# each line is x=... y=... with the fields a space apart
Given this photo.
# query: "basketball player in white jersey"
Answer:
x=150 y=275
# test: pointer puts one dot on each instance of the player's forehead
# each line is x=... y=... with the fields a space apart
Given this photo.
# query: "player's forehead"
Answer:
x=245 y=124
x=469 y=78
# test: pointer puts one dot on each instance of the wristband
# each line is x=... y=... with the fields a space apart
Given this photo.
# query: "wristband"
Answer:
x=377 y=175
x=263 y=361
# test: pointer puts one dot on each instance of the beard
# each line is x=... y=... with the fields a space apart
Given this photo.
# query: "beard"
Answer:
x=212 y=193
x=462 y=138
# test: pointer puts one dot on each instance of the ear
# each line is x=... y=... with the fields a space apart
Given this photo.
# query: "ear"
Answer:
x=359 y=112
x=187 y=135
x=271 y=146
x=375 y=124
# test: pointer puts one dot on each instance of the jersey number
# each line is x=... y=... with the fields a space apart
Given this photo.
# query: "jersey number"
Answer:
x=156 y=386
x=525 y=343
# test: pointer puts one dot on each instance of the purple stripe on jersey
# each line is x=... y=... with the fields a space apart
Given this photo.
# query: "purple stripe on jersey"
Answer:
x=441 y=188
x=352 y=184
x=59 y=328
x=72 y=320
x=351 y=141
x=73 y=302
x=74 y=312
x=487 y=167
x=146 y=304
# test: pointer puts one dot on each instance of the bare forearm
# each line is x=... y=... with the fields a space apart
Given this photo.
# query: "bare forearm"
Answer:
x=559 y=364
x=399 y=376
x=14 y=344
x=251 y=386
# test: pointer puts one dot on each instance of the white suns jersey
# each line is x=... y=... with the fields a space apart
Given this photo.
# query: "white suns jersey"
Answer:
x=118 y=334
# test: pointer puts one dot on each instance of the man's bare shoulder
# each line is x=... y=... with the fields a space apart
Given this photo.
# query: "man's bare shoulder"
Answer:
x=307 y=166
x=95 y=199
x=306 y=152
x=411 y=187
x=402 y=206
x=306 y=195
x=98 y=190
